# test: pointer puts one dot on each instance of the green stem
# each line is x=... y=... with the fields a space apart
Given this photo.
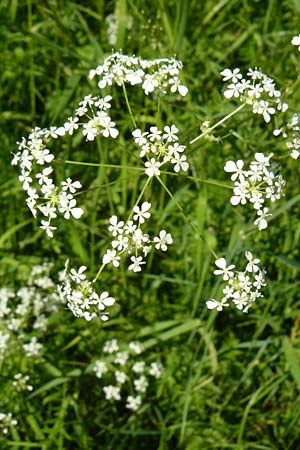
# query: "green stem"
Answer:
x=31 y=60
x=209 y=130
x=202 y=180
x=98 y=273
x=186 y=218
x=112 y=166
x=128 y=105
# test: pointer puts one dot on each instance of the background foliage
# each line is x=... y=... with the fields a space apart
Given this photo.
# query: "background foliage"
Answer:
x=230 y=380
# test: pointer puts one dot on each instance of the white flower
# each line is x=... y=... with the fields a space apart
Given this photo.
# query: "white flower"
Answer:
x=115 y=226
x=47 y=227
x=261 y=222
x=111 y=346
x=156 y=370
x=142 y=213
x=137 y=261
x=112 y=392
x=216 y=304
x=100 y=368
x=152 y=167
x=233 y=76
x=223 y=270
x=33 y=348
x=120 y=376
x=67 y=207
x=179 y=162
x=111 y=256
x=163 y=240
x=252 y=264
x=170 y=134
x=296 y=41
x=141 y=384
x=121 y=358
x=78 y=276
x=138 y=367
x=133 y=402
x=236 y=168
x=106 y=300
x=136 y=347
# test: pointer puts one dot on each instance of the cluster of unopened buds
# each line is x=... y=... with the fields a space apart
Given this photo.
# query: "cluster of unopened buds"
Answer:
x=125 y=375
x=160 y=147
x=255 y=185
x=159 y=75
x=129 y=239
x=259 y=91
x=242 y=288
x=79 y=295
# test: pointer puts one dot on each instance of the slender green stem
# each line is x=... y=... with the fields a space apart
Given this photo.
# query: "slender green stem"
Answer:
x=202 y=180
x=186 y=218
x=209 y=130
x=112 y=166
x=31 y=60
x=128 y=105
x=98 y=273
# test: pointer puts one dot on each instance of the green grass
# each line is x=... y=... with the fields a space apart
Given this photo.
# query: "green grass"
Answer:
x=231 y=381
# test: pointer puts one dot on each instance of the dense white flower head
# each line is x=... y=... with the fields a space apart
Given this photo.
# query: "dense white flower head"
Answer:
x=130 y=241
x=242 y=288
x=80 y=296
x=131 y=377
x=161 y=147
x=256 y=186
x=158 y=75
x=258 y=90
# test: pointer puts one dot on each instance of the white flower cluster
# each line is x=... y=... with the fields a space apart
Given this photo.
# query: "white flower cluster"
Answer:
x=291 y=132
x=129 y=239
x=25 y=309
x=259 y=91
x=6 y=421
x=255 y=185
x=242 y=288
x=157 y=75
x=43 y=195
x=125 y=373
x=20 y=382
x=113 y=21
x=296 y=41
x=80 y=296
x=161 y=147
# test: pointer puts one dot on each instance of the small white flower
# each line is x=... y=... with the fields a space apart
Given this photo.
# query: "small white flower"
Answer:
x=216 y=304
x=120 y=376
x=163 y=240
x=111 y=256
x=133 y=402
x=137 y=261
x=252 y=264
x=47 y=227
x=152 y=167
x=223 y=270
x=141 y=384
x=139 y=367
x=296 y=41
x=100 y=368
x=112 y=392
x=111 y=346
x=142 y=213
x=155 y=369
